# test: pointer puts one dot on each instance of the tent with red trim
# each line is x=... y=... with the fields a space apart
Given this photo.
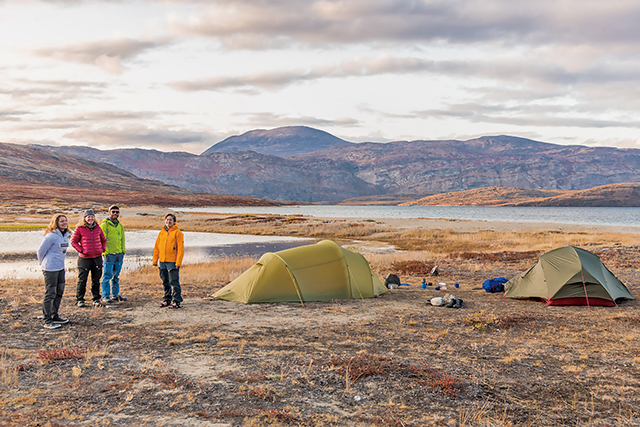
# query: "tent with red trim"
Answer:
x=569 y=276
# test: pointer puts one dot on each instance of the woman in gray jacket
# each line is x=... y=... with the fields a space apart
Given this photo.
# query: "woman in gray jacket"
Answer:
x=51 y=255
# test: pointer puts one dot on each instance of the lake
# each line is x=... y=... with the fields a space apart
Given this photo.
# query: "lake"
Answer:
x=581 y=216
x=19 y=261
x=17 y=249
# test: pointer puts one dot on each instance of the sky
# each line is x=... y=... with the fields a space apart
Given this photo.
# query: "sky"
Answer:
x=183 y=75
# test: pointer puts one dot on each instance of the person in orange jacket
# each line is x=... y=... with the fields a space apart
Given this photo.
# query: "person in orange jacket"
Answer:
x=169 y=251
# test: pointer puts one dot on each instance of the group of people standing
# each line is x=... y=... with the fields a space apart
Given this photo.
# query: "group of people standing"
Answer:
x=101 y=250
x=92 y=242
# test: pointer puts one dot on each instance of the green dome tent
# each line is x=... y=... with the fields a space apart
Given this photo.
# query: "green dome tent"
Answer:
x=320 y=272
x=568 y=276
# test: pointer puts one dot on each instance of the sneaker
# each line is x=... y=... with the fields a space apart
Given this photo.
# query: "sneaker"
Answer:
x=175 y=305
x=97 y=303
x=51 y=325
x=81 y=304
x=118 y=298
x=107 y=301
x=60 y=320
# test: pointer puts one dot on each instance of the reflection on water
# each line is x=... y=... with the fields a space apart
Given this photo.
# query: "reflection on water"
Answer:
x=18 y=249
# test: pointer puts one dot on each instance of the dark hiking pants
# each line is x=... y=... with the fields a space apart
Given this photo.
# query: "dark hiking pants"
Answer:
x=170 y=275
x=53 y=291
x=86 y=266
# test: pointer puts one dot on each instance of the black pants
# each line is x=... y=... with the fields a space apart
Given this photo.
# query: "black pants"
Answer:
x=53 y=290
x=86 y=266
x=170 y=276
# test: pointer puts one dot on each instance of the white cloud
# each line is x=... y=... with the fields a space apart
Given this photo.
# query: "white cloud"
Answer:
x=255 y=24
x=143 y=137
x=106 y=54
x=178 y=73
x=258 y=119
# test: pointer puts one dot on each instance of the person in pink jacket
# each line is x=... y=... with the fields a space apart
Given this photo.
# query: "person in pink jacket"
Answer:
x=88 y=239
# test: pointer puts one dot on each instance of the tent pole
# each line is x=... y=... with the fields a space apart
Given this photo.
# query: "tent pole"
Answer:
x=584 y=285
x=354 y=280
x=293 y=278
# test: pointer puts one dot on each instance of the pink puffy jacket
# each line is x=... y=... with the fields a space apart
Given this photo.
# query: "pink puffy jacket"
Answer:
x=89 y=243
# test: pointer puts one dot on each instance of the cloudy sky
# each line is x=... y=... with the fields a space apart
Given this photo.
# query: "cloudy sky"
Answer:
x=183 y=75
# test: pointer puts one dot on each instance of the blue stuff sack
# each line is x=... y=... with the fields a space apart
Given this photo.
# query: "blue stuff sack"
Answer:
x=494 y=285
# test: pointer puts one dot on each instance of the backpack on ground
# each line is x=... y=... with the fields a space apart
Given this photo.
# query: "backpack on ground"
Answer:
x=494 y=285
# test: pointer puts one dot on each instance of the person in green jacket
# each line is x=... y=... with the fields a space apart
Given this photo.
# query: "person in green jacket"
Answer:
x=113 y=256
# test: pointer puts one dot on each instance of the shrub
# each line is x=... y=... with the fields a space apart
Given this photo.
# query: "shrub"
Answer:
x=49 y=356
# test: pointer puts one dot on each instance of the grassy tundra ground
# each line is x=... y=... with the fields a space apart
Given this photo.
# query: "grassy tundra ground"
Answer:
x=389 y=361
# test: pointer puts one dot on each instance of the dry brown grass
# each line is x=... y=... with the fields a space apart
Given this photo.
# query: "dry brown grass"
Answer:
x=391 y=361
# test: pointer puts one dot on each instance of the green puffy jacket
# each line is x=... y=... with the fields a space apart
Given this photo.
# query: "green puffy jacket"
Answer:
x=115 y=236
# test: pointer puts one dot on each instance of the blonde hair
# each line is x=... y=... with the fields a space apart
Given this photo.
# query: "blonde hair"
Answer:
x=81 y=223
x=54 y=223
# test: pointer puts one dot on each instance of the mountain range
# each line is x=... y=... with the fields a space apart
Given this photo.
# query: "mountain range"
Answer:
x=29 y=173
x=309 y=165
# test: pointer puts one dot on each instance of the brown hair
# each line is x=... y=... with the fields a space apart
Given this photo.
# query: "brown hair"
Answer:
x=172 y=216
x=54 y=223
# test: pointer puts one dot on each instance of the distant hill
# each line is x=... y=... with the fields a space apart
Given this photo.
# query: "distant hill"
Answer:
x=32 y=173
x=282 y=142
x=432 y=167
x=370 y=172
x=612 y=195
x=244 y=173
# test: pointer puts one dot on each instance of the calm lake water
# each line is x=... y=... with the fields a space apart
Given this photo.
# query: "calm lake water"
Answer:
x=18 y=249
x=585 y=216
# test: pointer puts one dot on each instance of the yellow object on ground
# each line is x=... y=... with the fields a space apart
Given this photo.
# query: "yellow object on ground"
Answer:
x=320 y=272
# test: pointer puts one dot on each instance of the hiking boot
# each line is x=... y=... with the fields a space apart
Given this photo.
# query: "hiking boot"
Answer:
x=60 y=320
x=51 y=325
x=81 y=304
x=97 y=303
x=118 y=298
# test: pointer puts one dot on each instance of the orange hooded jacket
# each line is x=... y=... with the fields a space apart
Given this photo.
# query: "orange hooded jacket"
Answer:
x=169 y=246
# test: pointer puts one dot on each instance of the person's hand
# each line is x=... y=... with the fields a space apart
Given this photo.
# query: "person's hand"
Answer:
x=155 y=265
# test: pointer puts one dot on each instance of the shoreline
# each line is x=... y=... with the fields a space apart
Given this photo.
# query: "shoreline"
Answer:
x=495 y=218
x=154 y=213
x=469 y=225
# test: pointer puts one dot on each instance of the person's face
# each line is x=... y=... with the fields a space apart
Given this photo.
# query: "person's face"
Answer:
x=168 y=221
x=63 y=223
x=90 y=219
x=114 y=214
